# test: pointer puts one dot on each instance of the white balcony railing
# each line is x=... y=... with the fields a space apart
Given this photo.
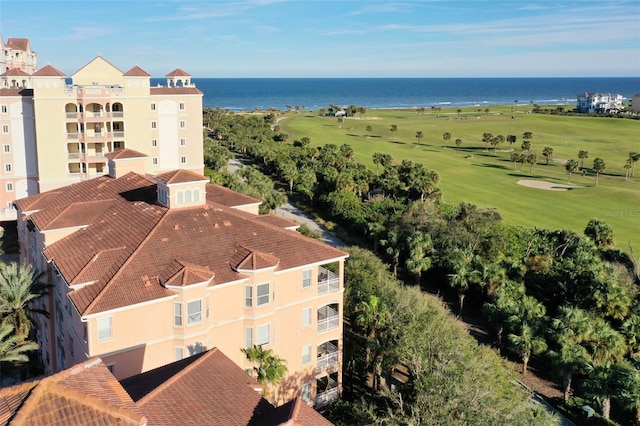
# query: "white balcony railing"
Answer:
x=326 y=397
x=327 y=320
x=325 y=361
x=328 y=282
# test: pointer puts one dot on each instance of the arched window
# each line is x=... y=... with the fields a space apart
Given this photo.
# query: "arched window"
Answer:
x=196 y=195
x=188 y=197
x=180 y=197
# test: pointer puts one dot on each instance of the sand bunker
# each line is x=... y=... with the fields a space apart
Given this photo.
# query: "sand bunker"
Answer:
x=549 y=186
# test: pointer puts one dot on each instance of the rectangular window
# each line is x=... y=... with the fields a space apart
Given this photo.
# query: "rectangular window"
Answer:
x=183 y=124
x=179 y=353
x=4 y=109
x=194 y=312
x=183 y=160
x=9 y=186
x=153 y=107
x=305 y=394
x=262 y=293
x=104 y=328
x=5 y=128
x=248 y=337
x=7 y=148
x=7 y=167
x=306 y=317
x=154 y=142
x=306 y=354
x=306 y=278
x=263 y=332
x=154 y=125
x=177 y=314
x=183 y=142
x=248 y=296
x=154 y=161
x=181 y=106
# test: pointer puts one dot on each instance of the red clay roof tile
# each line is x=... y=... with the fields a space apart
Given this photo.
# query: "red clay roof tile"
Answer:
x=156 y=91
x=48 y=71
x=136 y=72
x=178 y=73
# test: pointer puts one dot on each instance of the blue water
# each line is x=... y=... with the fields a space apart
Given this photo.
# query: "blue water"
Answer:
x=245 y=94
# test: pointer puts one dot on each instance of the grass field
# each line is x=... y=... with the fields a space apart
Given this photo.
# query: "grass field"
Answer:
x=487 y=178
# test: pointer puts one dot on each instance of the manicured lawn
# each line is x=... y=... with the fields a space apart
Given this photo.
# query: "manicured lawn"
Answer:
x=487 y=178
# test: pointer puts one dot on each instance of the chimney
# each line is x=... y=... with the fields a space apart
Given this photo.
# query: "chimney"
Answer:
x=124 y=161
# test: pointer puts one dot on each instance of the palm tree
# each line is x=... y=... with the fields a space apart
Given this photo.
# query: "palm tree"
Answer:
x=582 y=155
x=458 y=143
x=446 y=136
x=392 y=243
x=532 y=159
x=269 y=368
x=598 y=167
x=527 y=343
x=571 y=167
x=13 y=347
x=419 y=135
x=464 y=276
x=369 y=129
x=515 y=157
x=526 y=145
x=511 y=139
x=629 y=395
x=547 y=153
x=394 y=129
x=20 y=284
x=634 y=157
x=420 y=246
x=628 y=167
x=527 y=135
x=486 y=138
x=373 y=316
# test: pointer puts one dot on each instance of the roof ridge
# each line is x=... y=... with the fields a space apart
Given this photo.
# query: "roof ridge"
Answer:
x=126 y=262
x=167 y=383
x=93 y=259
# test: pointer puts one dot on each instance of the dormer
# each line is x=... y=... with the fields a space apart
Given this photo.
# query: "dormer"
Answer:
x=124 y=161
x=179 y=78
x=181 y=188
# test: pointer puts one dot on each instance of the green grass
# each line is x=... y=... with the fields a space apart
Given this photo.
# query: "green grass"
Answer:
x=488 y=179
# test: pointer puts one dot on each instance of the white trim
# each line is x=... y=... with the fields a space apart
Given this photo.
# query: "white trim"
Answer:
x=190 y=286
x=129 y=307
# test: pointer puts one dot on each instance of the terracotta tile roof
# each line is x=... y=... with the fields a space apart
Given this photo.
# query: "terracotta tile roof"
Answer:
x=180 y=176
x=293 y=413
x=18 y=43
x=15 y=72
x=16 y=91
x=175 y=91
x=125 y=153
x=178 y=73
x=130 y=242
x=227 y=197
x=136 y=72
x=86 y=394
x=278 y=221
x=48 y=71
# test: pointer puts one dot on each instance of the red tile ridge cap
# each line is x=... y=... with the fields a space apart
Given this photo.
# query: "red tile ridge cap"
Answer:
x=126 y=263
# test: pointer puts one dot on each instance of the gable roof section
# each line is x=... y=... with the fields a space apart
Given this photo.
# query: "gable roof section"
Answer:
x=124 y=154
x=86 y=394
x=101 y=59
x=15 y=72
x=293 y=413
x=136 y=71
x=16 y=91
x=178 y=273
x=178 y=73
x=18 y=43
x=181 y=176
x=48 y=71
x=227 y=197
x=250 y=260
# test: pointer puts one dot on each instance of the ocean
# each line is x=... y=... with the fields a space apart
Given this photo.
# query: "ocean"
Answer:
x=246 y=94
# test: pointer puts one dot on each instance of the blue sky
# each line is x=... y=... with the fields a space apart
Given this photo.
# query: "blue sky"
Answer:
x=330 y=38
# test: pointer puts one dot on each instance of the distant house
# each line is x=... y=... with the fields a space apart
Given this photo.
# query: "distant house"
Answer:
x=591 y=103
x=341 y=114
x=635 y=102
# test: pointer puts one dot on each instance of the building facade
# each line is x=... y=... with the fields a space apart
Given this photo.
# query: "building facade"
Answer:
x=151 y=270
x=57 y=130
x=16 y=53
x=591 y=103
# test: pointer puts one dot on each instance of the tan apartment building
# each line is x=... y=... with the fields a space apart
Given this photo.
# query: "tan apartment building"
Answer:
x=149 y=270
x=16 y=53
x=56 y=130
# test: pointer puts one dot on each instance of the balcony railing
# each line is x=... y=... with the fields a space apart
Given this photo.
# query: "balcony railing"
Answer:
x=72 y=135
x=72 y=114
x=326 y=397
x=325 y=361
x=329 y=321
x=328 y=282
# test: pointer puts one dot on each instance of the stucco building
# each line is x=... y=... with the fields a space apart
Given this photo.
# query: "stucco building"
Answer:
x=16 y=53
x=56 y=130
x=149 y=270
x=591 y=103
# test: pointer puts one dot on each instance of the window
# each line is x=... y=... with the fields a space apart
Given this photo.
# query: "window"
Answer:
x=306 y=317
x=118 y=145
x=104 y=328
x=4 y=109
x=7 y=148
x=9 y=186
x=248 y=337
x=194 y=312
x=153 y=107
x=154 y=125
x=181 y=106
x=306 y=354
x=183 y=160
x=206 y=306
x=305 y=393
x=183 y=142
x=5 y=128
x=248 y=296
x=306 y=278
x=262 y=293
x=183 y=124
x=154 y=143
x=179 y=353
x=263 y=334
x=177 y=314
x=154 y=160
x=7 y=167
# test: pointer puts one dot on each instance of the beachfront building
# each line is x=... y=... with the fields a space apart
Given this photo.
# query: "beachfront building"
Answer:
x=17 y=54
x=591 y=103
x=635 y=102
x=55 y=131
x=150 y=270
x=218 y=392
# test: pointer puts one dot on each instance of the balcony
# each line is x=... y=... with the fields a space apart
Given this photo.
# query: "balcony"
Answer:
x=8 y=213
x=328 y=282
x=328 y=356
x=328 y=318
x=72 y=135
x=72 y=115
x=328 y=390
